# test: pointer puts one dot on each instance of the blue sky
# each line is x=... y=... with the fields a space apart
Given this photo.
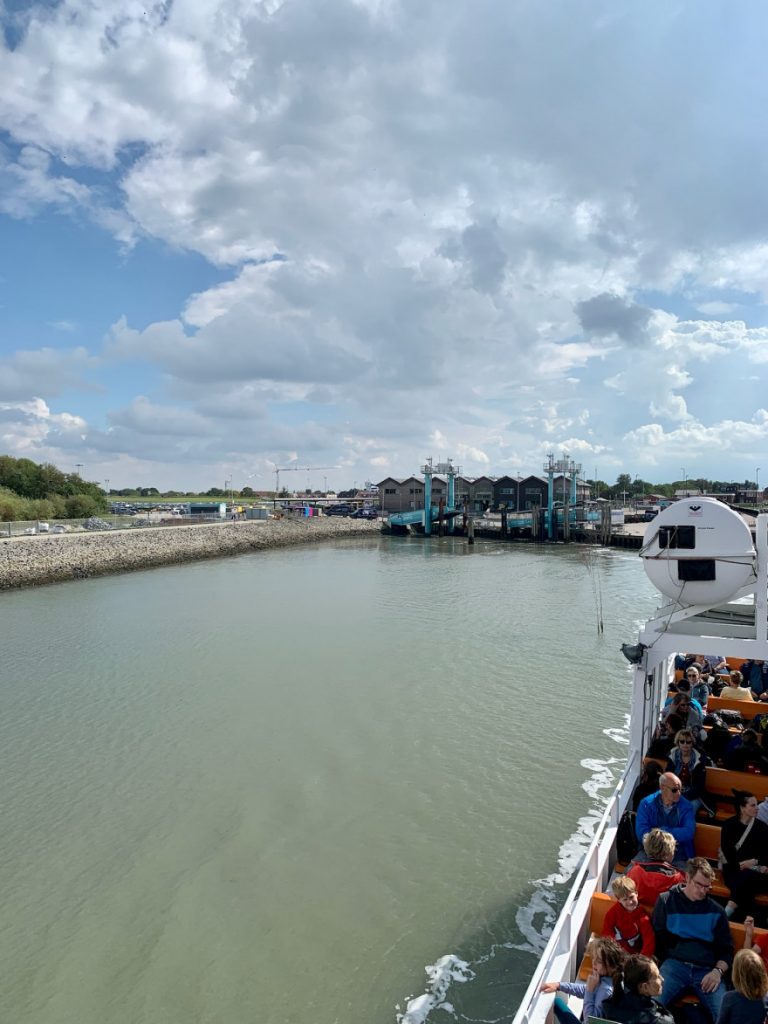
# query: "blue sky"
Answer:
x=356 y=233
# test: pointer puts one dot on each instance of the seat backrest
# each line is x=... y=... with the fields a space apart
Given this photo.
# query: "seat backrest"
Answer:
x=599 y=907
x=746 y=708
x=721 y=783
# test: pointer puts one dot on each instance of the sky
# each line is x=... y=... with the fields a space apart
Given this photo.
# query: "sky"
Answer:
x=353 y=234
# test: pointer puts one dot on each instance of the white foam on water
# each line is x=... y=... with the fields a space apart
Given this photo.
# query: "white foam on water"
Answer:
x=537 y=917
x=440 y=975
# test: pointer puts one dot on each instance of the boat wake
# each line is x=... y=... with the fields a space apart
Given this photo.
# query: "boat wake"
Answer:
x=536 y=918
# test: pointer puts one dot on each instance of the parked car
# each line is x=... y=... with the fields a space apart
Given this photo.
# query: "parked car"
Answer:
x=339 y=510
x=365 y=513
x=60 y=528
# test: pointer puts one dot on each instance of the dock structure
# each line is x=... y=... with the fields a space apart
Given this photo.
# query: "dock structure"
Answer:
x=557 y=521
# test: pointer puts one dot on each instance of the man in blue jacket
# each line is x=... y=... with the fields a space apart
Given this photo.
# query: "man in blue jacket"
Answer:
x=756 y=678
x=693 y=939
x=671 y=812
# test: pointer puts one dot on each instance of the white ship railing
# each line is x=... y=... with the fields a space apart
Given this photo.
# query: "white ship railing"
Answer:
x=566 y=944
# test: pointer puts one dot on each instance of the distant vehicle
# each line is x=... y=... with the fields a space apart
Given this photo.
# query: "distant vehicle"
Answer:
x=365 y=513
x=30 y=531
x=339 y=510
x=60 y=528
x=43 y=527
x=650 y=513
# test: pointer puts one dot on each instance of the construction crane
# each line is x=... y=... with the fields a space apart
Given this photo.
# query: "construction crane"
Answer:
x=296 y=469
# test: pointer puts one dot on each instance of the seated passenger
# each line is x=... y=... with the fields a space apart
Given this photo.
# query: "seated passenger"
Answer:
x=716 y=664
x=607 y=963
x=668 y=810
x=684 y=686
x=664 y=737
x=691 y=715
x=746 y=1004
x=699 y=685
x=744 y=855
x=627 y=923
x=693 y=939
x=756 y=677
x=634 y=999
x=654 y=874
x=736 y=690
x=689 y=765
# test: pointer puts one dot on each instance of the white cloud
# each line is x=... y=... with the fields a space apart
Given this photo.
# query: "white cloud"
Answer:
x=460 y=221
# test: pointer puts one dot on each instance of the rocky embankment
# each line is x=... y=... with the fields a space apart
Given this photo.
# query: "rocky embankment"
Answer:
x=26 y=561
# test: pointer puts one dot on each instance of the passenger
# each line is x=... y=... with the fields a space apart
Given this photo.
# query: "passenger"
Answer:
x=699 y=683
x=648 y=784
x=746 y=1004
x=757 y=942
x=744 y=754
x=684 y=686
x=654 y=874
x=736 y=690
x=670 y=811
x=756 y=677
x=691 y=715
x=634 y=998
x=627 y=923
x=716 y=664
x=607 y=963
x=664 y=737
x=689 y=765
x=693 y=940
x=744 y=853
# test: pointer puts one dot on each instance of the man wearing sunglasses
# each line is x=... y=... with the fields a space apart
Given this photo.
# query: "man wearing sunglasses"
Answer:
x=671 y=812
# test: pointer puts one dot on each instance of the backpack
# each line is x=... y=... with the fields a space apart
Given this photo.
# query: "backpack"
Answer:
x=731 y=718
x=626 y=840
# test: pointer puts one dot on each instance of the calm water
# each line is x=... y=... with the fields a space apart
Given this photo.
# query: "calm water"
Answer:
x=273 y=789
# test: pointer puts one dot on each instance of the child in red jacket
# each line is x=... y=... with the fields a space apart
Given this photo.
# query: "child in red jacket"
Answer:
x=627 y=923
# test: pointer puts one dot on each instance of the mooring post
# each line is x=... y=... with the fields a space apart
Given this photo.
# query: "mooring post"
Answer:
x=471 y=531
x=503 y=522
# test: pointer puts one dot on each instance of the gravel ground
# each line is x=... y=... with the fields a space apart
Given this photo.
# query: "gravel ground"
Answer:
x=27 y=561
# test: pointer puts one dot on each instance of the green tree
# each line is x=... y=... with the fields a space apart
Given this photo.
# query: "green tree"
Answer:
x=247 y=492
x=81 y=506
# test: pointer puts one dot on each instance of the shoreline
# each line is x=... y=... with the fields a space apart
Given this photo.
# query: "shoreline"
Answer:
x=35 y=561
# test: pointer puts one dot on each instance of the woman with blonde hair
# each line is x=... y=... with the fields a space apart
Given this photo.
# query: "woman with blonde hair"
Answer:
x=654 y=874
x=746 y=1004
x=689 y=765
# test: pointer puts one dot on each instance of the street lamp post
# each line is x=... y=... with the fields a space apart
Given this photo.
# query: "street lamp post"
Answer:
x=685 y=479
x=757 y=483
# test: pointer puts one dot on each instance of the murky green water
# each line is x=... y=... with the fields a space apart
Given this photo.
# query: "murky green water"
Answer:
x=272 y=789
